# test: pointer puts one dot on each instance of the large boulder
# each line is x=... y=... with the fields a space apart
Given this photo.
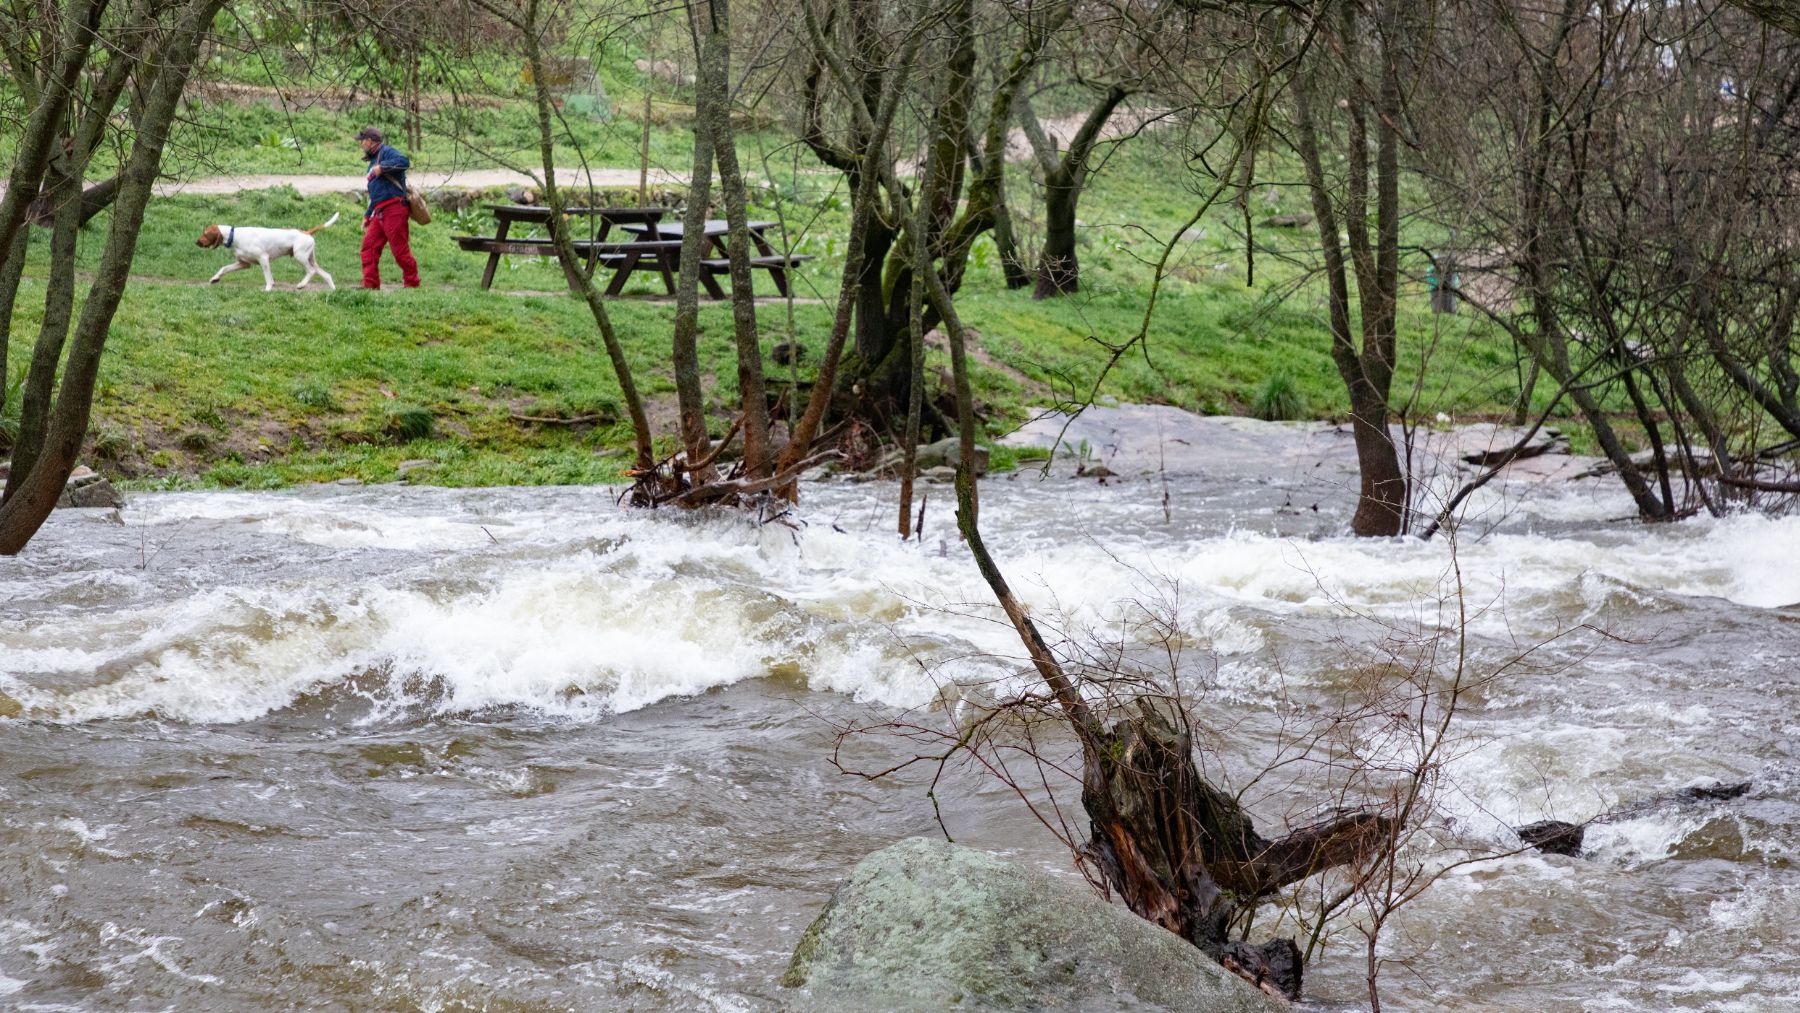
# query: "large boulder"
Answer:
x=927 y=925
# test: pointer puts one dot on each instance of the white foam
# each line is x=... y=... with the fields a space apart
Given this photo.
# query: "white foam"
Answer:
x=492 y=612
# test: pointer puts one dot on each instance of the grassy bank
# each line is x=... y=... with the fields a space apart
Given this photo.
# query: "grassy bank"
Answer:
x=229 y=385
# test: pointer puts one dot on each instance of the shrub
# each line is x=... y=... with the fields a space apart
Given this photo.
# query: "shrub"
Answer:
x=1279 y=400
x=316 y=396
x=108 y=444
x=404 y=423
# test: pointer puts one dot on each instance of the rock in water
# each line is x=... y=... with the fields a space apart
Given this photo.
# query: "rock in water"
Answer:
x=87 y=489
x=1553 y=837
x=946 y=452
x=927 y=925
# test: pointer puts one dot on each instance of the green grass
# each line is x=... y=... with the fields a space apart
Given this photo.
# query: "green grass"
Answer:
x=229 y=385
x=1279 y=400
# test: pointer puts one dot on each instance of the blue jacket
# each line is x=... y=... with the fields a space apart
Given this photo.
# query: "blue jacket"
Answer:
x=391 y=182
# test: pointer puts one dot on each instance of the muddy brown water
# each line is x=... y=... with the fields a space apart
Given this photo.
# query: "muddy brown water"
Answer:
x=401 y=748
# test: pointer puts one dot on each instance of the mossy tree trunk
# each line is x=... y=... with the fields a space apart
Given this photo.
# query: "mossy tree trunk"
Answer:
x=964 y=207
x=163 y=70
x=530 y=22
x=689 y=396
x=1065 y=178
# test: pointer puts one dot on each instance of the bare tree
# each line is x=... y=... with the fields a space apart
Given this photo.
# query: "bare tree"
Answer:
x=530 y=20
x=155 y=46
x=1355 y=69
x=1778 y=13
x=847 y=73
x=1630 y=167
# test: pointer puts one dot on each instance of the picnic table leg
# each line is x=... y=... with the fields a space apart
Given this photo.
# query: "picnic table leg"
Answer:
x=662 y=264
x=624 y=272
x=593 y=259
x=776 y=271
x=706 y=277
x=487 y=276
x=712 y=284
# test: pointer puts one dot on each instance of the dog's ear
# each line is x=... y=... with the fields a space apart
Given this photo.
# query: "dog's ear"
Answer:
x=209 y=238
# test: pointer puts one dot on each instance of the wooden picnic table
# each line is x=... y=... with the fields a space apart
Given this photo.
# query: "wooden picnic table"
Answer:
x=716 y=232
x=651 y=240
x=530 y=214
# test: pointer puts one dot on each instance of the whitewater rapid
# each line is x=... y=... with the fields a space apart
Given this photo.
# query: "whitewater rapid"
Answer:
x=284 y=675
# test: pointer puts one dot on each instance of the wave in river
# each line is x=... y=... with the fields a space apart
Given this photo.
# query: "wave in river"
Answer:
x=456 y=607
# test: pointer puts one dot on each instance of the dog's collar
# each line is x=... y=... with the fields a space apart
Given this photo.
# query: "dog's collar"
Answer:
x=230 y=235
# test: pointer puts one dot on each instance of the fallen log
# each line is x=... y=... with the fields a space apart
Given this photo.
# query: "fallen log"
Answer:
x=1558 y=837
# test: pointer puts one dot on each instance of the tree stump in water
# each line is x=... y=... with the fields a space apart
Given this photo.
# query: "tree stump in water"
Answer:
x=1186 y=856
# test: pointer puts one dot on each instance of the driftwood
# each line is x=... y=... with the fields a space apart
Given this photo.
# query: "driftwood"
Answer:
x=712 y=492
x=1759 y=485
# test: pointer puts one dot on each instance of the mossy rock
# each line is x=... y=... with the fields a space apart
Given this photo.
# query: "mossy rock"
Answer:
x=927 y=925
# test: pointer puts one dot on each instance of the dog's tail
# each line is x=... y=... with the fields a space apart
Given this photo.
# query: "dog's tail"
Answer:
x=328 y=224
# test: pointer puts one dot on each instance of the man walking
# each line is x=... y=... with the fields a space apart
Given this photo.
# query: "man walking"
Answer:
x=385 y=222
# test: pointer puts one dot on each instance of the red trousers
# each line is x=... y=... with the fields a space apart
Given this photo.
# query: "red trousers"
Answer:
x=388 y=227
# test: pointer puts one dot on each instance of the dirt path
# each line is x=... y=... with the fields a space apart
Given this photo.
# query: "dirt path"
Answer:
x=318 y=288
x=472 y=179
x=1061 y=129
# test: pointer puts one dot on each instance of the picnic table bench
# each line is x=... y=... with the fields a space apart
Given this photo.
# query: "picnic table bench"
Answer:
x=716 y=232
x=651 y=245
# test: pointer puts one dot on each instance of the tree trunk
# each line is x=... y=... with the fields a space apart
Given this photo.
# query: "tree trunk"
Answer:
x=44 y=128
x=1012 y=264
x=1059 y=272
x=572 y=263
x=1381 y=499
x=59 y=305
x=690 y=398
x=915 y=399
x=753 y=392
x=25 y=510
x=1006 y=243
x=876 y=123
x=1367 y=373
x=94 y=199
x=12 y=270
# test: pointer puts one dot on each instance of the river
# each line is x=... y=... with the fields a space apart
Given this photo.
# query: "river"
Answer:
x=407 y=748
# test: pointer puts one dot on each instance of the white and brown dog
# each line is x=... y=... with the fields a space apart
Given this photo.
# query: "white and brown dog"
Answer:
x=251 y=246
